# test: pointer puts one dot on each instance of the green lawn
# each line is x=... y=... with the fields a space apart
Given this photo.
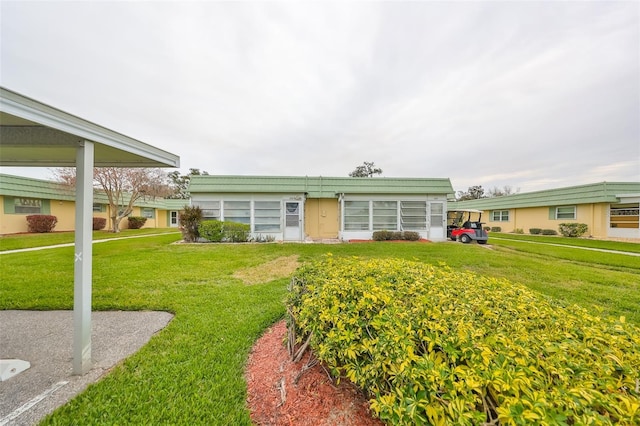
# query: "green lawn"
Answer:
x=192 y=371
x=21 y=241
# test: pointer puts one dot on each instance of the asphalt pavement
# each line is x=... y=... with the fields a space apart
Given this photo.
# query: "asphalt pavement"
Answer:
x=45 y=339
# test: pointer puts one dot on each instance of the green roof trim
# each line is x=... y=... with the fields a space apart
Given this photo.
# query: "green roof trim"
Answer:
x=602 y=192
x=24 y=187
x=318 y=186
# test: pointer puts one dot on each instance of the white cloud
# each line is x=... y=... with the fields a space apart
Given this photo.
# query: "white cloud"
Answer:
x=526 y=94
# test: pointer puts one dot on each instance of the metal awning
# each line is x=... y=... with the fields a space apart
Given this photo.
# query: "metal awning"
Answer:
x=38 y=135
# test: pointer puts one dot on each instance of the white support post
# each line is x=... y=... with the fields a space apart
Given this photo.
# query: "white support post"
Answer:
x=83 y=257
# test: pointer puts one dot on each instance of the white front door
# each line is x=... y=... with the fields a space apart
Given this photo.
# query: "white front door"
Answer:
x=292 y=221
x=436 y=221
x=173 y=219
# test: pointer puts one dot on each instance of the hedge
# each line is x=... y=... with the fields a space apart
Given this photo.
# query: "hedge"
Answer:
x=227 y=231
x=99 y=223
x=435 y=346
x=136 y=222
x=573 y=229
x=41 y=223
x=395 y=235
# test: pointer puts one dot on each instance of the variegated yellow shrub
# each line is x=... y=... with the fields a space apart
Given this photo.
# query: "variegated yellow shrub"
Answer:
x=435 y=346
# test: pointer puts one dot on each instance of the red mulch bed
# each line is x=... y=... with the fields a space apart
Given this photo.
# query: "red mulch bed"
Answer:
x=275 y=398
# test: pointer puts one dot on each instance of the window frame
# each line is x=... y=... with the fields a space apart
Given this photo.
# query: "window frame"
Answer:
x=501 y=215
x=574 y=213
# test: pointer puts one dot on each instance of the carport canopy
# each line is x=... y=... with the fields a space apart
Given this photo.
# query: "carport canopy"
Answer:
x=33 y=134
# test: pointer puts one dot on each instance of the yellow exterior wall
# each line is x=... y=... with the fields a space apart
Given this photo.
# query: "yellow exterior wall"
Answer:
x=594 y=215
x=321 y=218
x=13 y=223
x=65 y=212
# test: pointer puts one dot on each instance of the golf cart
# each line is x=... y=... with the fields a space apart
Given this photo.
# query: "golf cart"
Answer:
x=462 y=226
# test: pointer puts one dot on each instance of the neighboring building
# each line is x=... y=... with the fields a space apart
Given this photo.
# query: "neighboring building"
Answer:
x=293 y=208
x=610 y=209
x=21 y=196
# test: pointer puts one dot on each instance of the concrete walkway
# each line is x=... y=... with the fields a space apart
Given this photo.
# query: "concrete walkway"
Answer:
x=44 y=338
x=628 y=253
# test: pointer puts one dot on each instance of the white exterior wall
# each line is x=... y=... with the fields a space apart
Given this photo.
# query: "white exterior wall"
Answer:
x=434 y=232
x=196 y=199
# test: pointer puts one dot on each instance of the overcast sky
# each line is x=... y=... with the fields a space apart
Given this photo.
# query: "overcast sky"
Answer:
x=533 y=95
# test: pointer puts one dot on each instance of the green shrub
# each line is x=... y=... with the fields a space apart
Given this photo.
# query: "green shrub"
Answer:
x=549 y=232
x=573 y=229
x=535 y=231
x=235 y=232
x=211 y=230
x=496 y=229
x=99 y=223
x=396 y=235
x=435 y=346
x=136 y=222
x=410 y=235
x=518 y=231
x=382 y=235
x=41 y=223
x=260 y=238
x=190 y=218
x=486 y=228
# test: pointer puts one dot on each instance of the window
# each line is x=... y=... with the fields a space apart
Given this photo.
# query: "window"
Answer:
x=98 y=208
x=267 y=216
x=566 y=212
x=210 y=210
x=237 y=211
x=413 y=215
x=624 y=215
x=500 y=216
x=385 y=215
x=28 y=206
x=148 y=212
x=356 y=215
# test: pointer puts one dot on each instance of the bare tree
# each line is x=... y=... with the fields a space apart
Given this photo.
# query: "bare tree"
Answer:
x=500 y=192
x=123 y=187
x=473 y=193
x=367 y=169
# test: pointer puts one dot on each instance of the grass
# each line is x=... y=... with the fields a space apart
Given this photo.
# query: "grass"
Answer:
x=192 y=371
x=579 y=242
x=22 y=241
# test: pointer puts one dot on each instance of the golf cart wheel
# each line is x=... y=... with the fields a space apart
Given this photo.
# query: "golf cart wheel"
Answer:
x=465 y=238
x=482 y=241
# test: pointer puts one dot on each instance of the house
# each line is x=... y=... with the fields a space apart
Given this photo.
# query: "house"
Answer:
x=22 y=196
x=299 y=208
x=609 y=209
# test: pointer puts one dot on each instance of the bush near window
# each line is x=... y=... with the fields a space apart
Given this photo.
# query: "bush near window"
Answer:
x=236 y=232
x=396 y=235
x=573 y=229
x=41 y=223
x=518 y=231
x=99 y=223
x=190 y=218
x=136 y=222
x=549 y=232
x=496 y=229
x=435 y=346
x=211 y=230
x=535 y=231
x=217 y=231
